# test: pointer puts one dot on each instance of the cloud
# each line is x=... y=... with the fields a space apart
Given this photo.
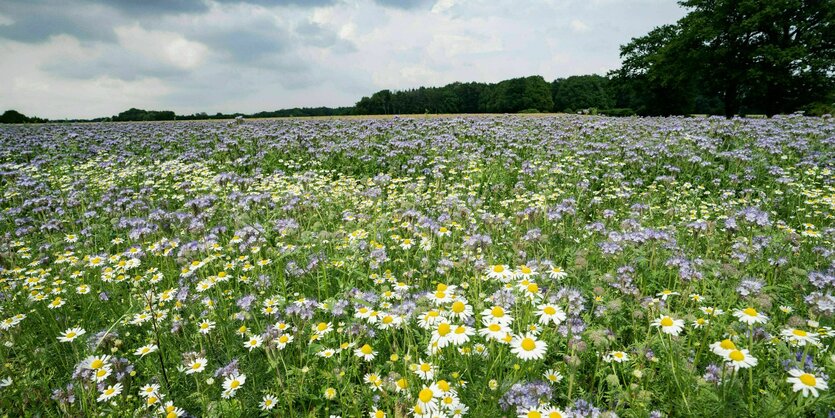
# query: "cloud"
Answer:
x=87 y=58
x=578 y=26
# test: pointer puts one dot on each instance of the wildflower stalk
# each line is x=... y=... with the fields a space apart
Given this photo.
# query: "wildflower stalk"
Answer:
x=675 y=377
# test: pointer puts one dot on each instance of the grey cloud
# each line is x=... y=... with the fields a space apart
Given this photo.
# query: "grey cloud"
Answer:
x=404 y=4
x=114 y=63
x=37 y=21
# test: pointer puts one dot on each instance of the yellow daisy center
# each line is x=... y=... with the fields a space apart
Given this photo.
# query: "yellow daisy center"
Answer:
x=498 y=269
x=366 y=349
x=727 y=344
x=736 y=355
x=808 y=380
x=528 y=344
x=750 y=311
x=322 y=326
x=458 y=307
x=497 y=311
x=666 y=321
x=549 y=310
x=425 y=395
x=97 y=363
x=799 y=332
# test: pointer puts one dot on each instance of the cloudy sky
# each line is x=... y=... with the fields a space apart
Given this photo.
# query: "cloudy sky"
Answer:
x=90 y=58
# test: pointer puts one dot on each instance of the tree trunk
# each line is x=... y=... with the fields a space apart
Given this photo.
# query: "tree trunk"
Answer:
x=731 y=99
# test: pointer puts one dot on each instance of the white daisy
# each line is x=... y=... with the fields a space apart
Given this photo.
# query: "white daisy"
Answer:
x=528 y=347
x=806 y=382
x=668 y=325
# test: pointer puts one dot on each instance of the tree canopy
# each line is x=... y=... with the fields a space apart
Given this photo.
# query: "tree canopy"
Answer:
x=728 y=56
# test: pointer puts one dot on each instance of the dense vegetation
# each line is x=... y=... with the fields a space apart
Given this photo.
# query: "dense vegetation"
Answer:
x=563 y=266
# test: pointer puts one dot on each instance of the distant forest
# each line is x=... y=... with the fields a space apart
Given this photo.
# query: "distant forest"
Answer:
x=725 y=57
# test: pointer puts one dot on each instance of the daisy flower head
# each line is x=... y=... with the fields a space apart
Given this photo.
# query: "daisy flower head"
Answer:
x=425 y=370
x=145 y=349
x=532 y=291
x=552 y=376
x=442 y=296
x=799 y=337
x=283 y=340
x=550 y=313
x=740 y=359
x=366 y=352
x=253 y=342
x=322 y=328
x=377 y=413
x=494 y=331
x=664 y=294
x=102 y=373
x=534 y=412
x=441 y=335
x=171 y=411
x=110 y=392
x=722 y=348
x=232 y=383
x=500 y=272
x=205 y=326
x=553 y=412
x=330 y=393
x=524 y=272
x=427 y=400
x=668 y=325
x=750 y=316
x=326 y=353
x=806 y=382
x=616 y=356
x=557 y=273
x=268 y=402
x=460 y=334
x=496 y=314
x=149 y=390
x=71 y=334
x=528 y=347
x=711 y=311
x=196 y=366
x=460 y=310
x=96 y=362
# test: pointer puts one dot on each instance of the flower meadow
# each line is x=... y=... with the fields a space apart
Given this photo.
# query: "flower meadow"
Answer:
x=559 y=266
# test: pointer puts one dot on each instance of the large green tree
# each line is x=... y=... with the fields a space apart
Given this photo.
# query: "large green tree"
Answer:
x=582 y=92
x=768 y=56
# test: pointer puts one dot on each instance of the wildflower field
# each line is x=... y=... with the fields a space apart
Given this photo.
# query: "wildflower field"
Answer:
x=559 y=266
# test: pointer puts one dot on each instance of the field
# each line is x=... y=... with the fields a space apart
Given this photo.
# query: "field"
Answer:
x=573 y=266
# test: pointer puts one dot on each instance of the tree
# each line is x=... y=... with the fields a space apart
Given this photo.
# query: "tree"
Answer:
x=768 y=56
x=13 y=116
x=582 y=92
